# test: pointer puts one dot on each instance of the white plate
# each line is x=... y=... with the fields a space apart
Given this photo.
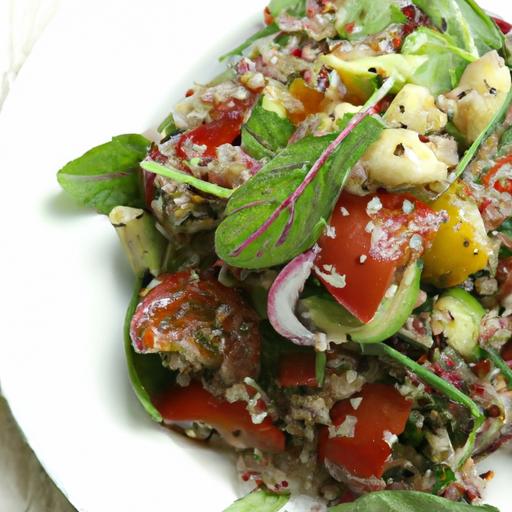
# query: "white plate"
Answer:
x=102 y=68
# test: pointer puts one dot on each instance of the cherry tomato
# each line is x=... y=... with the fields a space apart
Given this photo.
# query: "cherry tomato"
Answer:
x=501 y=185
x=203 y=320
x=382 y=412
x=297 y=369
x=347 y=248
x=232 y=421
x=224 y=128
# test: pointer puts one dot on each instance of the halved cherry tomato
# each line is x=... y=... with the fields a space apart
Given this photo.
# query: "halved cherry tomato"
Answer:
x=502 y=185
x=232 y=421
x=297 y=369
x=203 y=320
x=224 y=128
x=311 y=99
x=347 y=248
x=382 y=412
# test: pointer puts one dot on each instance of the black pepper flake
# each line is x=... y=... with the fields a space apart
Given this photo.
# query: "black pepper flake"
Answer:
x=476 y=252
x=372 y=70
x=462 y=95
x=402 y=109
x=399 y=150
x=402 y=125
x=466 y=243
x=444 y=25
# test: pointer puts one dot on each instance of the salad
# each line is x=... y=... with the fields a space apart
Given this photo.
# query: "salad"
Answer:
x=322 y=245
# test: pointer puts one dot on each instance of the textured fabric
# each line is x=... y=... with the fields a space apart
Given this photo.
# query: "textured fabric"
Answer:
x=24 y=485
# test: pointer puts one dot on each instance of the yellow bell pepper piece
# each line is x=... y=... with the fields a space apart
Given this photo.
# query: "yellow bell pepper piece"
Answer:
x=461 y=246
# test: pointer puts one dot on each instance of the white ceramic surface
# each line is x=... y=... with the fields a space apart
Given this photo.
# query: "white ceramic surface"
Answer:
x=101 y=69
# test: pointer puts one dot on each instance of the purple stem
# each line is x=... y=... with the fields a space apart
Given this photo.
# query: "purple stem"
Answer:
x=290 y=201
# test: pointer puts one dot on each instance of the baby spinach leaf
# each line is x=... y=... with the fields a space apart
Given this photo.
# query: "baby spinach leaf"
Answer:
x=407 y=501
x=261 y=500
x=265 y=133
x=147 y=375
x=107 y=175
x=357 y=19
x=264 y=32
x=292 y=7
x=446 y=61
x=253 y=203
x=465 y=22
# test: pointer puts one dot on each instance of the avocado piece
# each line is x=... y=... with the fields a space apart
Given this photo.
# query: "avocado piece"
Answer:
x=362 y=76
x=337 y=322
x=458 y=315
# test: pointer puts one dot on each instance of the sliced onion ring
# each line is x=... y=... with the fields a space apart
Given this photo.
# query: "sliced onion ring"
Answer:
x=283 y=297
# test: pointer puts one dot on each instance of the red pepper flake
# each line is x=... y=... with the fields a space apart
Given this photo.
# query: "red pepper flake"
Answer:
x=349 y=27
x=410 y=12
x=397 y=42
x=482 y=368
x=284 y=484
x=423 y=138
x=297 y=53
x=189 y=93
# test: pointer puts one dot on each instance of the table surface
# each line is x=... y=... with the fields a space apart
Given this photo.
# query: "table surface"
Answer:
x=24 y=486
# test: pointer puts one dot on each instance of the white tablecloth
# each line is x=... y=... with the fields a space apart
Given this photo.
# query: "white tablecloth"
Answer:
x=24 y=486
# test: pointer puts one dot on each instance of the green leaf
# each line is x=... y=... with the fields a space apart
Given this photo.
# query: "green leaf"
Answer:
x=293 y=7
x=466 y=23
x=357 y=19
x=407 y=501
x=261 y=501
x=264 y=32
x=265 y=133
x=107 y=175
x=188 y=179
x=444 y=477
x=147 y=375
x=446 y=62
x=254 y=202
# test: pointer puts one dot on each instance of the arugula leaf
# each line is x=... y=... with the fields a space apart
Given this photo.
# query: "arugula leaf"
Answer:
x=188 y=179
x=407 y=501
x=466 y=23
x=357 y=19
x=265 y=133
x=261 y=500
x=295 y=8
x=446 y=62
x=264 y=32
x=254 y=202
x=107 y=175
x=147 y=375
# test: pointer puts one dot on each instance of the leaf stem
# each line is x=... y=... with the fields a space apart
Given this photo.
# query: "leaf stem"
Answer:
x=470 y=153
x=441 y=385
x=187 y=179
x=498 y=361
x=290 y=201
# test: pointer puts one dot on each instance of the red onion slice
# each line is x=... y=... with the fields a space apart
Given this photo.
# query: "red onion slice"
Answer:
x=283 y=297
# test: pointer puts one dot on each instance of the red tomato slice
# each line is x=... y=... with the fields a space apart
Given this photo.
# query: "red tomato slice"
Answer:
x=205 y=321
x=347 y=248
x=227 y=120
x=232 y=421
x=382 y=411
x=297 y=369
